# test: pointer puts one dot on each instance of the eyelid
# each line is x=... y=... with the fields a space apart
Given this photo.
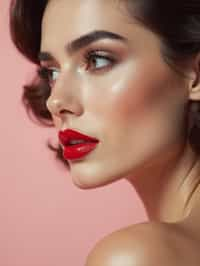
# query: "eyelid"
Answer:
x=88 y=53
x=44 y=73
x=47 y=68
x=104 y=52
x=100 y=53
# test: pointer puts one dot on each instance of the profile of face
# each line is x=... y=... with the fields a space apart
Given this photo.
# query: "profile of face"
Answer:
x=116 y=88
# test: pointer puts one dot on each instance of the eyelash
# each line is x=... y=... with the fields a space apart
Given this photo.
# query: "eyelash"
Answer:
x=46 y=73
x=93 y=54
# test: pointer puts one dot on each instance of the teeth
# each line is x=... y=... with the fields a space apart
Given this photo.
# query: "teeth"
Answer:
x=76 y=142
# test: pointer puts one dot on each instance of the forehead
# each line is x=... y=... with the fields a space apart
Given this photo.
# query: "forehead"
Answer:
x=67 y=20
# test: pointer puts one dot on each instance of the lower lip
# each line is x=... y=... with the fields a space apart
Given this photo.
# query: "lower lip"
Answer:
x=78 y=150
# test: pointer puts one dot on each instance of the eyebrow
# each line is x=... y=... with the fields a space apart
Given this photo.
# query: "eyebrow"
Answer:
x=84 y=41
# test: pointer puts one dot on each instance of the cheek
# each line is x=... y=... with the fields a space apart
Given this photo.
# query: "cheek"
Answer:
x=137 y=92
x=143 y=101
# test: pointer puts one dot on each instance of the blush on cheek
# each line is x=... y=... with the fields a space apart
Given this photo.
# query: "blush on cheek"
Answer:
x=140 y=95
x=134 y=99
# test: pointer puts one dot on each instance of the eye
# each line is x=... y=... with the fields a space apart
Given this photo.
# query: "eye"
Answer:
x=50 y=75
x=98 y=60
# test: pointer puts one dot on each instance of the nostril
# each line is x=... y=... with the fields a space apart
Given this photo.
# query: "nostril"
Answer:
x=64 y=111
x=57 y=107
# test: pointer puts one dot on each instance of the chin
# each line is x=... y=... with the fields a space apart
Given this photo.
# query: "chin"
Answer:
x=80 y=183
x=84 y=182
x=88 y=182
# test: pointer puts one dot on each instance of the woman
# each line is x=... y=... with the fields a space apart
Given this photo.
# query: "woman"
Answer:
x=122 y=78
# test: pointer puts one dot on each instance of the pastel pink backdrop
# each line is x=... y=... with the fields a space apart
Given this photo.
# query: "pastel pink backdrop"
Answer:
x=44 y=219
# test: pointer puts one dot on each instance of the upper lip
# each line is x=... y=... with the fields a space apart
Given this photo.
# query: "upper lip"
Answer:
x=68 y=135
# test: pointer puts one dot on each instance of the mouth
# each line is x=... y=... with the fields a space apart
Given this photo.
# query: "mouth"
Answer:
x=75 y=144
x=71 y=137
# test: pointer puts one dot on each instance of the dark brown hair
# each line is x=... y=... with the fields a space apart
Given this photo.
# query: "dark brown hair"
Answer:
x=177 y=23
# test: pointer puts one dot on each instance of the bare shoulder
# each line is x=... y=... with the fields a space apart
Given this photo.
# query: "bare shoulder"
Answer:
x=145 y=244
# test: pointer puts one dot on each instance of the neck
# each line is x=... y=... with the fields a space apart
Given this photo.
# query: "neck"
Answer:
x=167 y=186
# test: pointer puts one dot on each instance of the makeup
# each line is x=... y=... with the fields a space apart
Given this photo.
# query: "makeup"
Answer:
x=75 y=144
x=77 y=151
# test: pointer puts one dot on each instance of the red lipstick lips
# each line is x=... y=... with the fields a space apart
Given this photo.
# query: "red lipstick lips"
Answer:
x=76 y=145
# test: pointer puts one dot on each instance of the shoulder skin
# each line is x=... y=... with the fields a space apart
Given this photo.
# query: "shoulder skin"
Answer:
x=146 y=244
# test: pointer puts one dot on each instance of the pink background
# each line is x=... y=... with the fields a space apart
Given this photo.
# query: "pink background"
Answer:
x=44 y=219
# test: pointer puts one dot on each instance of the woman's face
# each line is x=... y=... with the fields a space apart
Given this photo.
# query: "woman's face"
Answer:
x=123 y=94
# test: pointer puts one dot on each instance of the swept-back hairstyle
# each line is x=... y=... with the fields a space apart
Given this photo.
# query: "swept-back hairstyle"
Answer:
x=176 y=22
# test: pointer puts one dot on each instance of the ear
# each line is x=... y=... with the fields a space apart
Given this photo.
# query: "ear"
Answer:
x=194 y=84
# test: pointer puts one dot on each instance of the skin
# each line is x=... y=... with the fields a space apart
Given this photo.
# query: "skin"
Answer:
x=136 y=108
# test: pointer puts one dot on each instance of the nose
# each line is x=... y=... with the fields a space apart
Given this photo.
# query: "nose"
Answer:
x=64 y=100
x=59 y=106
